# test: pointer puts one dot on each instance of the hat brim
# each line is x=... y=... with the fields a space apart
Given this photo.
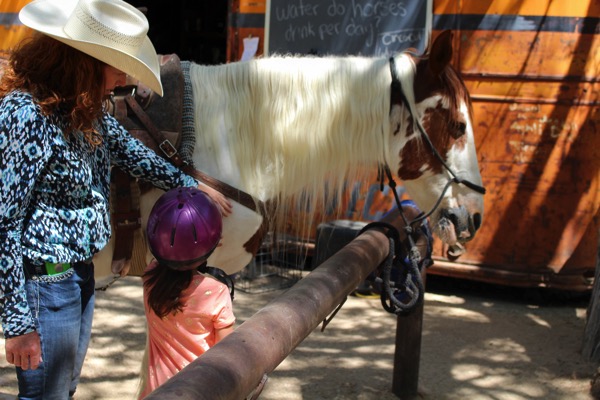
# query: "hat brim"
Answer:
x=49 y=17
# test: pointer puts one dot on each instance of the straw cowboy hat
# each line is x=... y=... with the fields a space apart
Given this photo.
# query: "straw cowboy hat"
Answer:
x=111 y=31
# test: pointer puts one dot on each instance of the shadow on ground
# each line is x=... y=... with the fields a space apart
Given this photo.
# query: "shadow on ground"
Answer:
x=478 y=342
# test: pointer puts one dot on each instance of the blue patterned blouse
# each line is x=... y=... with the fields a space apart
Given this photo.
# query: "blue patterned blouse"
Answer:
x=54 y=195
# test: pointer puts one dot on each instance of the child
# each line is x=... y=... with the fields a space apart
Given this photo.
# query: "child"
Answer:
x=186 y=311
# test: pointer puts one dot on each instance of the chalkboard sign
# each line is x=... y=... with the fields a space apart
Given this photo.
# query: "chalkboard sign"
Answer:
x=347 y=27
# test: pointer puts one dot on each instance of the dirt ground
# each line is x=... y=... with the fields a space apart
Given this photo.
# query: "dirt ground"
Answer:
x=479 y=342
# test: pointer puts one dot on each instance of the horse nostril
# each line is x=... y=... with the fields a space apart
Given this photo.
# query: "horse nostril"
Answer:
x=477 y=221
x=459 y=218
x=454 y=219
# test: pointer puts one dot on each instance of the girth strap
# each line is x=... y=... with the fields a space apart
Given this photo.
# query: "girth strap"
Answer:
x=126 y=214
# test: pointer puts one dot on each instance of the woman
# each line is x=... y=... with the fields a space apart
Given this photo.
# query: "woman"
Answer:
x=57 y=145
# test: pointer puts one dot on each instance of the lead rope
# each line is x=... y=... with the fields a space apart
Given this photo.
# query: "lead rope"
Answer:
x=402 y=295
x=109 y=284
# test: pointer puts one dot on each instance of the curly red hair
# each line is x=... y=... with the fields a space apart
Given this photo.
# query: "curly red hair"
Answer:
x=61 y=79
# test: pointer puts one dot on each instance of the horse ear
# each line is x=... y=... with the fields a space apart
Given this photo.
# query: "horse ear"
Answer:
x=441 y=52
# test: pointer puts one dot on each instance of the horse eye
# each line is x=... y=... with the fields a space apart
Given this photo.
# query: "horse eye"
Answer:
x=461 y=129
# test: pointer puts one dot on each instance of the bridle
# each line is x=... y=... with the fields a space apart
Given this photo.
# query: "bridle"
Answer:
x=399 y=97
x=401 y=297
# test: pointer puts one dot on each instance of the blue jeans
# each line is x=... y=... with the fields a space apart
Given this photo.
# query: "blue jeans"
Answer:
x=63 y=309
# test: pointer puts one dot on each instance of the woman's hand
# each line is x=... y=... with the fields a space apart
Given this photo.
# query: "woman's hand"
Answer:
x=222 y=202
x=24 y=351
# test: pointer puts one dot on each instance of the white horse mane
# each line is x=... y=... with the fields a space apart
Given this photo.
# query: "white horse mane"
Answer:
x=293 y=123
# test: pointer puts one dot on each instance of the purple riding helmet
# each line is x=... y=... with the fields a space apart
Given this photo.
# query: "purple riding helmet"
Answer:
x=184 y=228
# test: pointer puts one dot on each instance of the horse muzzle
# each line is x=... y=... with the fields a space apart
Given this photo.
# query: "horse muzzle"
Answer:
x=458 y=225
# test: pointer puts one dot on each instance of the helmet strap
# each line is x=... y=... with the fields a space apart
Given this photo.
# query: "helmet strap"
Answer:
x=219 y=275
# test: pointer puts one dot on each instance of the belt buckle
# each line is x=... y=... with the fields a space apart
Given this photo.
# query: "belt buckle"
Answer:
x=56 y=268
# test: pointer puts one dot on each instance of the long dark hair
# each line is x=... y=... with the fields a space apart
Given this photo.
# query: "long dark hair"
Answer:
x=61 y=79
x=164 y=286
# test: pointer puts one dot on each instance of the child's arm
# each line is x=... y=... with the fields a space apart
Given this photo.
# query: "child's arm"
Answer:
x=221 y=333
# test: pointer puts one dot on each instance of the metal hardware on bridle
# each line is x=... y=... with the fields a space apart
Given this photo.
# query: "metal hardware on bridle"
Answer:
x=385 y=170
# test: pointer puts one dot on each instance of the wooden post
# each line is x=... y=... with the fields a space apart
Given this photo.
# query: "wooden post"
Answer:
x=407 y=356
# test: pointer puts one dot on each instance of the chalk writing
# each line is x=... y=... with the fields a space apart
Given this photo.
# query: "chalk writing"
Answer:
x=368 y=27
x=555 y=127
x=293 y=11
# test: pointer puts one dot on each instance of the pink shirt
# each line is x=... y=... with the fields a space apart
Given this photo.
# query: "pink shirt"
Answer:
x=177 y=340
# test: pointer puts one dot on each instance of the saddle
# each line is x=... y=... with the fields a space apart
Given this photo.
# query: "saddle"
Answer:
x=138 y=108
x=160 y=123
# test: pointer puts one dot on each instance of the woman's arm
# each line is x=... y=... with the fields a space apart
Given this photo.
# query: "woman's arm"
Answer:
x=141 y=162
x=23 y=154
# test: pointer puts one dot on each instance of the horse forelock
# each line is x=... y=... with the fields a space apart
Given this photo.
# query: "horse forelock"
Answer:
x=447 y=83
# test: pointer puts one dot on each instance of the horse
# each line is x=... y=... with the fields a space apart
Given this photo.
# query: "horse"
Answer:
x=297 y=128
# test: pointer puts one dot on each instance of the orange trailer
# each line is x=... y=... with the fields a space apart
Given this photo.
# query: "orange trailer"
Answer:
x=11 y=29
x=532 y=69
